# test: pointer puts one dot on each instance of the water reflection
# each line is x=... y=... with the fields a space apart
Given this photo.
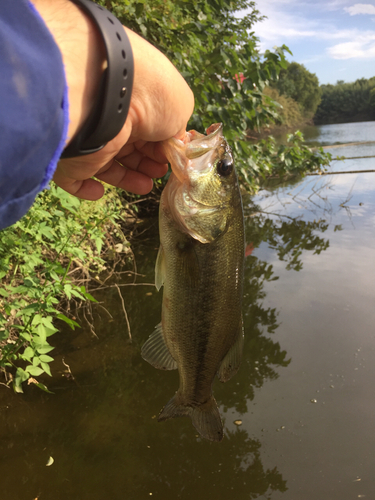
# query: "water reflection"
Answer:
x=289 y=237
x=101 y=428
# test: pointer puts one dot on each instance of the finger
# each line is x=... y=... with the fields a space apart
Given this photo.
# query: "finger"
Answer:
x=127 y=179
x=88 y=189
x=152 y=168
x=153 y=150
x=143 y=164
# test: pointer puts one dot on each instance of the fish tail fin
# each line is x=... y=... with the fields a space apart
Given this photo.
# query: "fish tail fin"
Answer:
x=205 y=418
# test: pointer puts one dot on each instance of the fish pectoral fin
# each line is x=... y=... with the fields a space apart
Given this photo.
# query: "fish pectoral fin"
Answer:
x=232 y=360
x=205 y=417
x=156 y=352
x=160 y=269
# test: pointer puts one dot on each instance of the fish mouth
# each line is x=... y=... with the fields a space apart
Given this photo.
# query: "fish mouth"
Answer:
x=180 y=153
x=199 y=144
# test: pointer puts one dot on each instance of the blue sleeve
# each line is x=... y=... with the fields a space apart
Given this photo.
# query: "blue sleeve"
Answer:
x=33 y=108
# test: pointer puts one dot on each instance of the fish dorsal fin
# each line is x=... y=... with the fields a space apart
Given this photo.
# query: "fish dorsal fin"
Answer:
x=160 y=269
x=232 y=360
x=156 y=352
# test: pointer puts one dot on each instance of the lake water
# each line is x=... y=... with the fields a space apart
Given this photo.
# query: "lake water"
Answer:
x=304 y=396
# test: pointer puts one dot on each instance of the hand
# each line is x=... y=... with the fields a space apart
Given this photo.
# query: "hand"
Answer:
x=160 y=107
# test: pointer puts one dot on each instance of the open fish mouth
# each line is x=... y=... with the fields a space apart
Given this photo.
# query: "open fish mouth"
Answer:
x=199 y=144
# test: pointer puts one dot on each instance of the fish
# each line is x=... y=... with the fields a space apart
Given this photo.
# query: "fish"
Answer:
x=200 y=264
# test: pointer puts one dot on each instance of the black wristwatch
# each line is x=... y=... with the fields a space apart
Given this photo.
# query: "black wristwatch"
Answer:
x=111 y=108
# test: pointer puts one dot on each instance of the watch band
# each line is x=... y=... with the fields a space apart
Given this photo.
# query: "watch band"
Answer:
x=111 y=108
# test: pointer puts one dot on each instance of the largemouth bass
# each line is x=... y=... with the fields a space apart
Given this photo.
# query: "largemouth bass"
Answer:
x=200 y=263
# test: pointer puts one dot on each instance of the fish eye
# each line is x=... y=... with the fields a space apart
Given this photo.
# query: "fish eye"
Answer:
x=224 y=167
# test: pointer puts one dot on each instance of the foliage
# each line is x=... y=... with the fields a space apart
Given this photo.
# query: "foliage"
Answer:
x=289 y=112
x=59 y=235
x=347 y=102
x=297 y=83
x=270 y=159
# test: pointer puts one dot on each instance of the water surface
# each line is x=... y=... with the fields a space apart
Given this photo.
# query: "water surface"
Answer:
x=304 y=394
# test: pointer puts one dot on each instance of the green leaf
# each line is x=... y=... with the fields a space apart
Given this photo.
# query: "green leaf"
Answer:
x=45 y=359
x=47 y=321
x=29 y=309
x=44 y=349
x=4 y=334
x=99 y=244
x=35 y=371
x=88 y=296
x=28 y=353
x=42 y=333
x=46 y=368
x=68 y=290
x=77 y=294
x=36 y=361
x=43 y=388
x=21 y=376
x=37 y=320
x=68 y=321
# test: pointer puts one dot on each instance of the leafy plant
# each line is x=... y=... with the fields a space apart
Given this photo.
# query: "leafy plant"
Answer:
x=297 y=83
x=59 y=234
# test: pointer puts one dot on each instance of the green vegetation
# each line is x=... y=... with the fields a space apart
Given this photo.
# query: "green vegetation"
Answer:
x=48 y=257
x=297 y=83
x=347 y=102
x=46 y=260
x=290 y=114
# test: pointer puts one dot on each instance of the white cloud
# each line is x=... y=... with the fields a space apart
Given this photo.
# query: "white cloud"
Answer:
x=363 y=47
x=360 y=8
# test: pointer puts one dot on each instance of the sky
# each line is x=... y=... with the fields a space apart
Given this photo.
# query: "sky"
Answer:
x=335 y=39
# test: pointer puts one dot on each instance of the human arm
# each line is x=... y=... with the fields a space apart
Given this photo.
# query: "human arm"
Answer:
x=160 y=107
x=36 y=122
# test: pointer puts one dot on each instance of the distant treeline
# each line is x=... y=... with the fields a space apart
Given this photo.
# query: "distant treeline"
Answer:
x=347 y=102
x=302 y=99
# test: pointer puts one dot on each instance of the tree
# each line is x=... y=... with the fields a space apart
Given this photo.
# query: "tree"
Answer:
x=298 y=83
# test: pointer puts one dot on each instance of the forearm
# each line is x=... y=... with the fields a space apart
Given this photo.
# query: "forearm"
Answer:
x=83 y=54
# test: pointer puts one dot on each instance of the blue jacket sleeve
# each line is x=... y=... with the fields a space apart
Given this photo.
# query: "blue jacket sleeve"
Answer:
x=33 y=108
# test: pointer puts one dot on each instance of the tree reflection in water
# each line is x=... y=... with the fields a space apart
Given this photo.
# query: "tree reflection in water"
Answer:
x=262 y=354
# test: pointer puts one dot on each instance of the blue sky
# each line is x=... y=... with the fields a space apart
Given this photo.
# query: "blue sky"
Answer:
x=335 y=39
